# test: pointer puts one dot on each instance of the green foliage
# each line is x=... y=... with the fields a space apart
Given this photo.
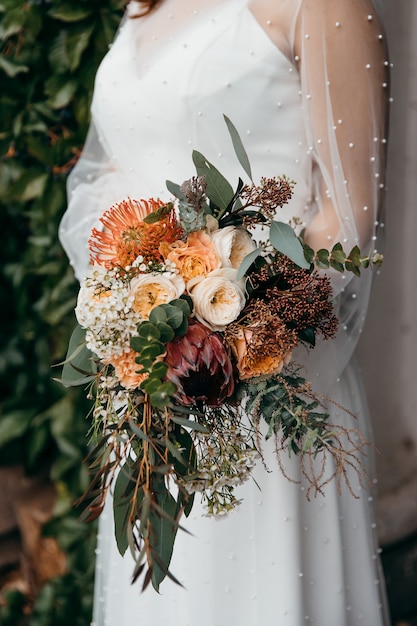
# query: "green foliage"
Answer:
x=337 y=259
x=284 y=239
x=49 y=52
x=239 y=147
x=219 y=190
x=166 y=321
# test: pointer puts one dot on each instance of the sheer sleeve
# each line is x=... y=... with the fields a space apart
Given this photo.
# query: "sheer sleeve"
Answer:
x=95 y=183
x=339 y=47
x=89 y=189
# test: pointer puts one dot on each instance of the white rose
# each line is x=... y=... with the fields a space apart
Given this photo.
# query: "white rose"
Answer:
x=232 y=245
x=218 y=298
x=151 y=290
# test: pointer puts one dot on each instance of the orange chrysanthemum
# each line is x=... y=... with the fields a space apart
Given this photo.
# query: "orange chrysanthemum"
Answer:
x=126 y=236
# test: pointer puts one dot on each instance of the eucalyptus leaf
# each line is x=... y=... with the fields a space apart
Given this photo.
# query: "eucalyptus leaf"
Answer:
x=146 y=363
x=355 y=256
x=187 y=423
x=162 y=397
x=181 y=330
x=164 y=530
x=166 y=332
x=338 y=255
x=159 y=369
x=148 y=331
x=247 y=262
x=151 y=384
x=138 y=343
x=152 y=350
x=79 y=358
x=323 y=257
x=339 y=267
x=308 y=253
x=175 y=189
x=145 y=510
x=122 y=505
x=138 y=431
x=219 y=190
x=185 y=305
x=175 y=452
x=308 y=335
x=75 y=382
x=157 y=315
x=284 y=240
x=351 y=267
x=174 y=315
x=239 y=147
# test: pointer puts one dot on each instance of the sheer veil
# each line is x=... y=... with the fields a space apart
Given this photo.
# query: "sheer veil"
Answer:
x=346 y=126
x=339 y=49
x=310 y=101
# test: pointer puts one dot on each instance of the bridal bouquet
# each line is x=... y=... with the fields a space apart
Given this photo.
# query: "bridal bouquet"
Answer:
x=185 y=338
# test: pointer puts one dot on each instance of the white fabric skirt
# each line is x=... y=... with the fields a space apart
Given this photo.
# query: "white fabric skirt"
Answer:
x=278 y=560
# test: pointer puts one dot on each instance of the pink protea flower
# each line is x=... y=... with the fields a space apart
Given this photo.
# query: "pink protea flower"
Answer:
x=199 y=364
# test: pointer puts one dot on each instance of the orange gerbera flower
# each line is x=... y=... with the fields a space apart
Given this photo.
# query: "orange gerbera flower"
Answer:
x=126 y=236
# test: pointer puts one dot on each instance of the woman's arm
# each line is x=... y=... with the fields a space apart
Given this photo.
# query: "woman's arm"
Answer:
x=340 y=48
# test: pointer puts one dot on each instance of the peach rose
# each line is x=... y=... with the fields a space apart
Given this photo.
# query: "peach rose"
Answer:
x=252 y=362
x=195 y=257
x=126 y=369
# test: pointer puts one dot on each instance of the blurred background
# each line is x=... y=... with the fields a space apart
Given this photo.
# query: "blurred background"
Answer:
x=49 y=52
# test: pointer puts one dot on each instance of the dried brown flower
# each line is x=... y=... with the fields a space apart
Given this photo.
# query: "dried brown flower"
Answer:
x=270 y=195
x=300 y=298
x=261 y=342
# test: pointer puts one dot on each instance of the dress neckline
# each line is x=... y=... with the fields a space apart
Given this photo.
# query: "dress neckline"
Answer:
x=224 y=14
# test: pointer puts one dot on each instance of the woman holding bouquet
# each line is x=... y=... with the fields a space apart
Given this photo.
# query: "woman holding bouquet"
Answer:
x=305 y=84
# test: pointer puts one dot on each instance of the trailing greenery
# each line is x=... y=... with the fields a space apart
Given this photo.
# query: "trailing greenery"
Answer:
x=49 y=52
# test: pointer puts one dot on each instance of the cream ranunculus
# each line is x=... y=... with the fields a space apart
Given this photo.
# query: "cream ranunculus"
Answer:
x=218 y=298
x=232 y=245
x=150 y=290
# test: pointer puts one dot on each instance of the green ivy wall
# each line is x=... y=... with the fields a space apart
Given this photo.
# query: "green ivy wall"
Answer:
x=49 y=52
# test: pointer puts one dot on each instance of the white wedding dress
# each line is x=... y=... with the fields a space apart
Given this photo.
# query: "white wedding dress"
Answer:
x=279 y=559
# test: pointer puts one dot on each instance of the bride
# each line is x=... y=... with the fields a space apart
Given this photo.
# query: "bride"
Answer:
x=305 y=84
